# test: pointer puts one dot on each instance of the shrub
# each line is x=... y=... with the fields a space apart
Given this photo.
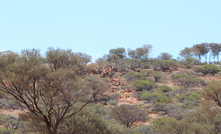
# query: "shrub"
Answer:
x=164 y=88
x=213 y=69
x=154 y=97
x=128 y=114
x=160 y=106
x=132 y=76
x=114 y=96
x=2 y=94
x=186 y=79
x=206 y=69
x=141 y=85
x=112 y=102
x=189 y=99
x=189 y=62
x=158 y=77
x=164 y=65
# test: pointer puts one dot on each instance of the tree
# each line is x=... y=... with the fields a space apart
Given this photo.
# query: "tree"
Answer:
x=140 y=53
x=216 y=49
x=201 y=50
x=120 y=52
x=51 y=92
x=128 y=114
x=165 y=56
x=187 y=52
x=212 y=92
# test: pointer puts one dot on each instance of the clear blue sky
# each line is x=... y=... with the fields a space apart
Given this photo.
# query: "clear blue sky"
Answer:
x=96 y=26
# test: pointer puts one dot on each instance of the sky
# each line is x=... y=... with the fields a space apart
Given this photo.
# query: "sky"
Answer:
x=96 y=26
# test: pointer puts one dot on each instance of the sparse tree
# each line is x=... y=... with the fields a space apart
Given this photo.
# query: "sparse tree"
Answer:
x=128 y=114
x=165 y=56
x=212 y=92
x=51 y=92
x=187 y=52
x=216 y=49
x=201 y=50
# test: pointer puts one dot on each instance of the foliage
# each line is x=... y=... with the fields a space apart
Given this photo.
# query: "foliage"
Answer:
x=90 y=121
x=189 y=99
x=140 y=53
x=206 y=69
x=186 y=79
x=128 y=114
x=158 y=77
x=164 y=88
x=189 y=62
x=49 y=91
x=141 y=85
x=9 y=124
x=194 y=123
x=213 y=92
x=154 y=97
x=164 y=65
x=165 y=56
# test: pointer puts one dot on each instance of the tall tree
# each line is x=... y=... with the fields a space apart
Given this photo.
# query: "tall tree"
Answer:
x=215 y=49
x=187 y=52
x=53 y=92
x=201 y=50
x=141 y=53
x=165 y=56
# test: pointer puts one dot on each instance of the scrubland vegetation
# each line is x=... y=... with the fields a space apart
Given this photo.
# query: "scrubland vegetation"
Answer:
x=124 y=92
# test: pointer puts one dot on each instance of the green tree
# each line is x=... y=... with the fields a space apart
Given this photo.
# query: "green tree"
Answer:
x=201 y=50
x=128 y=114
x=165 y=56
x=51 y=92
x=212 y=92
x=187 y=52
x=216 y=49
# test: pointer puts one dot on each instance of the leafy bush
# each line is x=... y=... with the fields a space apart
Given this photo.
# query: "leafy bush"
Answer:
x=160 y=106
x=113 y=96
x=189 y=62
x=206 y=69
x=112 y=102
x=2 y=94
x=189 y=99
x=154 y=97
x=141 y=85
x=164 y=65
x=186 y=79
x=128 y=114
x=164 y=88
x=158 y=77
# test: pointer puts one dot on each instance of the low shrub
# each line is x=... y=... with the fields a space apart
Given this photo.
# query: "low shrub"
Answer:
x=141 y=85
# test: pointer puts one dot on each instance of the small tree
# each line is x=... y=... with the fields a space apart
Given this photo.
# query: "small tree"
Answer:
x=128 y=114
x=51 y=92
x=213 y=92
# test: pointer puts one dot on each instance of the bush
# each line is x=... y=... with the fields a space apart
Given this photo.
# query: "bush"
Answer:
x=206 y=69
x=154 y=97
x=186 y=79
x=199 y=69
x=2 y=94
x=213 y=69
x=128 y=114
x=164 y=88
x=160 y=106
x=112 y=102
x=141 y=85
x=189 y=99
x=189 y=62
x=114 y=96
x=164 y=65
x=158 y=77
